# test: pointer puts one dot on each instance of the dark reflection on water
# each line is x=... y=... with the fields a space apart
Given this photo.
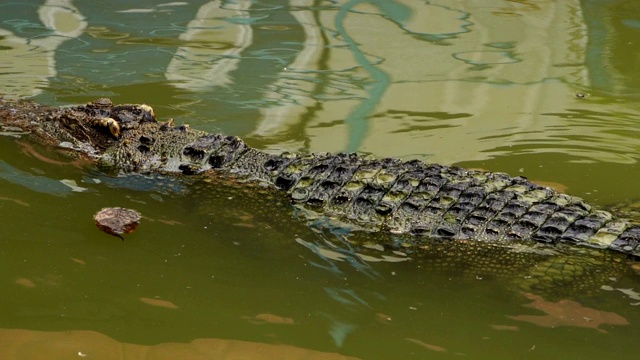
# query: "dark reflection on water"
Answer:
x=542 y=90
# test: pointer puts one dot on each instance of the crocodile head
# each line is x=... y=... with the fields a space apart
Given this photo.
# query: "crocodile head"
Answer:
x=115 y=119
x=89 y=129
x=124 y=138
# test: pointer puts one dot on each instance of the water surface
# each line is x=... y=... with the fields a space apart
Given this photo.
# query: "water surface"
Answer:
x=544 y=90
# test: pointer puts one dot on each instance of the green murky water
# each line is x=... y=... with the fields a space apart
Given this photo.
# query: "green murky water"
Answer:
x=548 y=90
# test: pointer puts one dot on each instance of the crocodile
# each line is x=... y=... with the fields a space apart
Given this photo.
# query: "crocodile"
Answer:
x=411 y=198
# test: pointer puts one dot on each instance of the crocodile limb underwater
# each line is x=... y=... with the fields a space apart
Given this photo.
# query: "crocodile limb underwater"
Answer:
x=383 y=195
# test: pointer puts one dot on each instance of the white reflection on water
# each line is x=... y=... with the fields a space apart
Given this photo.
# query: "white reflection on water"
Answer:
x=212 y=47
x=32 y=60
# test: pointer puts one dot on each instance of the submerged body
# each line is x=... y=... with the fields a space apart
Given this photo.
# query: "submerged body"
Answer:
x=389 y=195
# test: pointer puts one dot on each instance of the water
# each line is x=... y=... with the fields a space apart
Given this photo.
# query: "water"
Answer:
x=548 y=91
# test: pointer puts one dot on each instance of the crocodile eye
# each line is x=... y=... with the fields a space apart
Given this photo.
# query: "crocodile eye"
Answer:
x=147 y=113
x=113 y=126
